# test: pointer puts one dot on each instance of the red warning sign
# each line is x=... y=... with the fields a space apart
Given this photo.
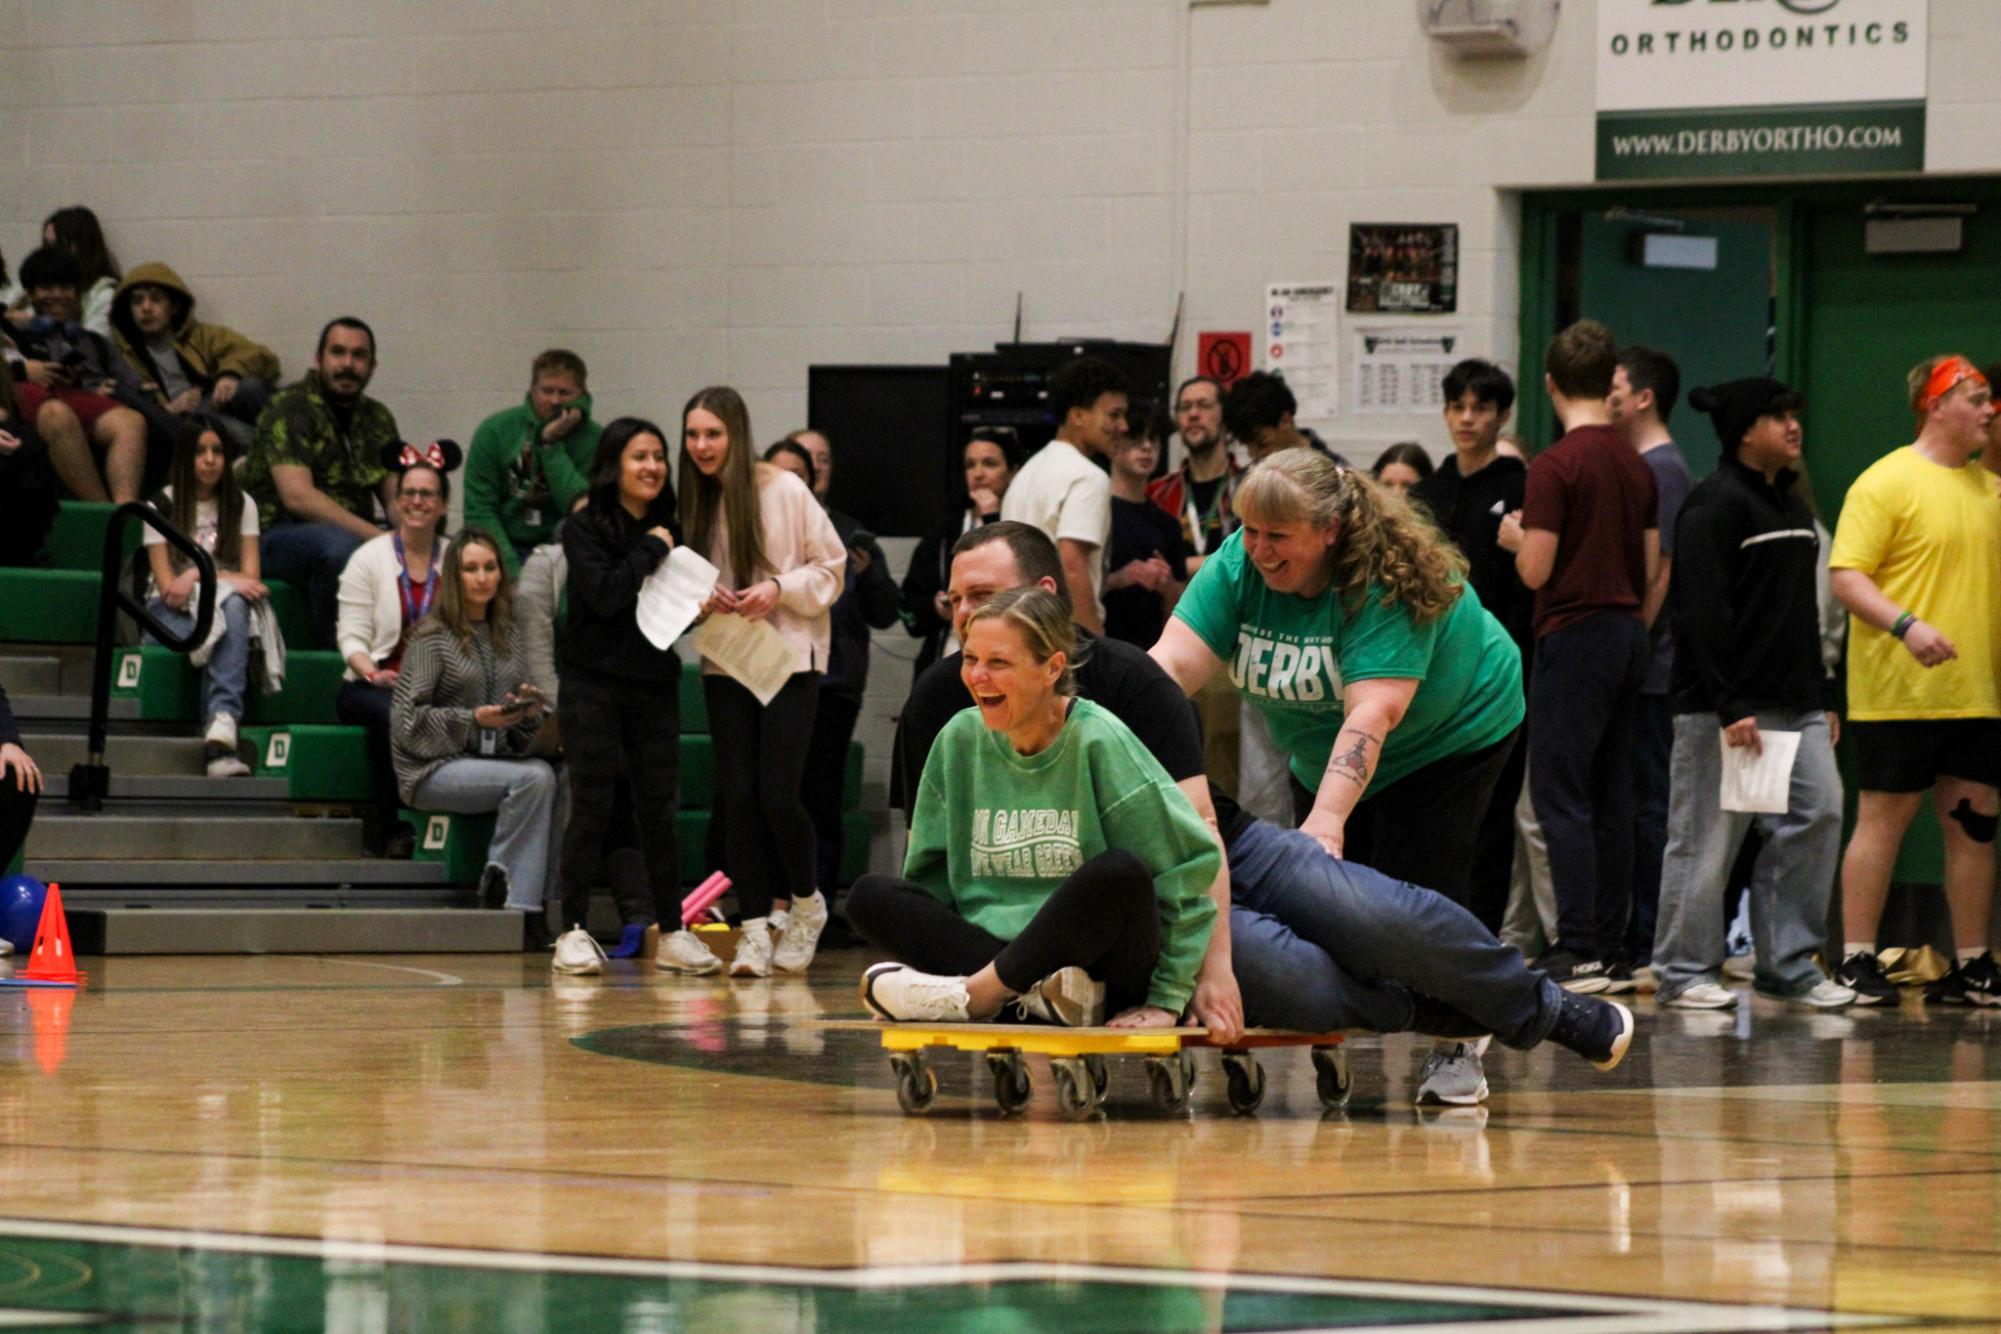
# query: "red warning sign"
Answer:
x=1223 y=357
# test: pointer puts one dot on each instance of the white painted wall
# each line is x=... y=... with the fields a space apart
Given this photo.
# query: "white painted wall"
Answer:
x=688 y=191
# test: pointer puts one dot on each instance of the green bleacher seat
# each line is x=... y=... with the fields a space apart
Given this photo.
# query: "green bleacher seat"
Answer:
x=168 y=686
x=319 y=762
x=459 y=841
x=76 y=542
x=49 y=606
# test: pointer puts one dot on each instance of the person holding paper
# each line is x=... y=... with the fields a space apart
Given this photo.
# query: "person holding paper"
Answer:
x=1917 y=562
x=1747 y=665
x=621 y=693
x=781 y=564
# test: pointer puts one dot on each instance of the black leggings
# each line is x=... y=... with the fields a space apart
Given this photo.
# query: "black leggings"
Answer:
x=17 y=812
x=760 y=760
x=613 y=729
x=1104 y=919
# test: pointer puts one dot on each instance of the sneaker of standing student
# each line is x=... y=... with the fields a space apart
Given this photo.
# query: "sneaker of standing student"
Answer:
x=1453 y=1075
x=1620 y=979
x=1741 y=967
x=1862 y=973
x=1581 y=977
x=899 y=993
x=753 y=949
x=686 y=953
x=1822 y=995
x=1971 y=982
x=577 y=954
x=799 y=938
x=1700 y=996
x=1600 y=1031
x=1069 y=997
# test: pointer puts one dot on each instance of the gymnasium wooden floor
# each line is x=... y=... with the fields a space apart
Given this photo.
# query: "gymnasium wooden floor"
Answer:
x=462 y=1143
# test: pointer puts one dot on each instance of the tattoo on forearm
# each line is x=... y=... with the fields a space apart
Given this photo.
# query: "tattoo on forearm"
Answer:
x=1353 y=763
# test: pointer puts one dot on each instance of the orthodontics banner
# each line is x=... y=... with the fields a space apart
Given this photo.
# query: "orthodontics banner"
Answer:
x=1717 y=88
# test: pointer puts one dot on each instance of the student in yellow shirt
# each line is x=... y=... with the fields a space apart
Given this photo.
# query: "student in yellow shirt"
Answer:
x=1917 y=562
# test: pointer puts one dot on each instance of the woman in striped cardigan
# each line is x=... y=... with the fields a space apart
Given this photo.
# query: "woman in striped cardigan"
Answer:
x=461 y=722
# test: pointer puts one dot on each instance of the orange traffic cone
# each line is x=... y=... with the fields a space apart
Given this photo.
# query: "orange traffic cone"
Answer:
x=53 y=960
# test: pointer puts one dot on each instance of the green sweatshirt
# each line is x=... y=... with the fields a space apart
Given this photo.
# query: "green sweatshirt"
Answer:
x=524 y=499
x=993 y=832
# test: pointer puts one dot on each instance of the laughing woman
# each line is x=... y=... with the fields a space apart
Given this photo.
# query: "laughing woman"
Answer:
x=1052 y=861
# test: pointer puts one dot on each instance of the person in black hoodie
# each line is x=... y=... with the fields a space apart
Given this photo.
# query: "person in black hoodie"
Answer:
x=621 y=700
x=1747 y=663
x=1467 y=496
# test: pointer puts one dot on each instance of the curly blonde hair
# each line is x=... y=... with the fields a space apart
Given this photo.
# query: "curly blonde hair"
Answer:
x=1383 y=540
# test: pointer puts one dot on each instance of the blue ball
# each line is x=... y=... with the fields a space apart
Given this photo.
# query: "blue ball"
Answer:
x=21 y=910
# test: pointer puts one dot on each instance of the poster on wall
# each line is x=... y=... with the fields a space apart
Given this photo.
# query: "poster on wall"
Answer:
x=1403 y=268
x=1794 y=87
x=1402 y=370
x=1303 y=344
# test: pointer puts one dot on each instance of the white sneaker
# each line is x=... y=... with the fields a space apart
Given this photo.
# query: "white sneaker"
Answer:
x=221 y=731
x=577 y=954
x=753 y=949
x=897 y=991
x=1702 y=996
x=1068 y=996
x=1824 y=995
x=685 y=952
x=799 y=936
x=1741 y=967
x=226 y=764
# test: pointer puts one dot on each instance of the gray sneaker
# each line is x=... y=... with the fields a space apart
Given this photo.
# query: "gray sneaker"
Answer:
x=1069 y=997
x=1452 y=1074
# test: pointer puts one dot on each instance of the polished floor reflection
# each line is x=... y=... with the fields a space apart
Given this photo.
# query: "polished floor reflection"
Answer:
x=410 y=1143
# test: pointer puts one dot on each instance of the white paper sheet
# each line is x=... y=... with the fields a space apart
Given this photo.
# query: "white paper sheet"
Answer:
x=672 y=596
x=1759 y=783
x=755 y=655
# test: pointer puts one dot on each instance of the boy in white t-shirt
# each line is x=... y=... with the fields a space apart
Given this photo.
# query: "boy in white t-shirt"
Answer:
x=1063 y=491
x=204 y=503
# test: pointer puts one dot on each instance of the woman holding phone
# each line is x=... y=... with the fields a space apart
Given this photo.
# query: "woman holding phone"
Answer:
x=782 y=563
x=461 y=721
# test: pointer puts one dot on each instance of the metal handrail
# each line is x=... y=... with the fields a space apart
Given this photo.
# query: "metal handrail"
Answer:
x=90 y=782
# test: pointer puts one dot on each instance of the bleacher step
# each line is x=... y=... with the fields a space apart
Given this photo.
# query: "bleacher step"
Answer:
x=70 y=708
x=176 y=787
x=58 y=835
x=127 y=755
x=31 y=676
x=302 y=930
x=325 y=872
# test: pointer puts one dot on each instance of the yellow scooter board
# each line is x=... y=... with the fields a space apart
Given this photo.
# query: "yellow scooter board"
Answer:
x=1079 y=1060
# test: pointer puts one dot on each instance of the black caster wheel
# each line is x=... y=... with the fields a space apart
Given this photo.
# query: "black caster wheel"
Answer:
x=1330 y=1069
x=1011 y=1085
x=1076 y=1095
x=1173 y=1080
x=916 y=1083
x=1101 y=1075
x=1246 y=1080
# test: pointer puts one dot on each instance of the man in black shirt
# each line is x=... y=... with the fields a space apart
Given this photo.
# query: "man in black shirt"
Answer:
x=1144 y=577
x=1314 y=944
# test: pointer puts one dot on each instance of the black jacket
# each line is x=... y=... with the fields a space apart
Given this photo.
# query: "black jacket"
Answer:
x=610 y=554
x=866 y=602
x=1469 y=510
x=1746 y=622
x=10 y=731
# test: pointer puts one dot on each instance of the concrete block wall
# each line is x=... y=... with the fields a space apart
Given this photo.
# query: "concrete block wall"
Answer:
x=689 y=191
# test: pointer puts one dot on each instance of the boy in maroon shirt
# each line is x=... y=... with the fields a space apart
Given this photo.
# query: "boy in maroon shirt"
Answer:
x=1586 y=541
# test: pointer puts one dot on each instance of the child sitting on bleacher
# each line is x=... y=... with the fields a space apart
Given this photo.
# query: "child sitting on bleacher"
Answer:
x=204 y=504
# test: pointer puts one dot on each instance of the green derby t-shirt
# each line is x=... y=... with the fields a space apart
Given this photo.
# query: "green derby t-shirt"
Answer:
x=1291 y=657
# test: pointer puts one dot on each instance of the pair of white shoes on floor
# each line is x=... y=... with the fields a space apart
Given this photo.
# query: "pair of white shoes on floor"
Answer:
x=895 y=992
x=785 y=941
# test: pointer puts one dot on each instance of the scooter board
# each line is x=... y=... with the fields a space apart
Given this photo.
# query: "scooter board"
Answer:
x=1078 y=1059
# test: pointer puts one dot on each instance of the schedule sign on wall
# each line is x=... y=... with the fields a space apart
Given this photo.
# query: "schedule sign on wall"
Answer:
x=1705 y=88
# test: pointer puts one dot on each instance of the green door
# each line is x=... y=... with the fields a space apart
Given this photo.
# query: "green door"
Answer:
x=1715 y=322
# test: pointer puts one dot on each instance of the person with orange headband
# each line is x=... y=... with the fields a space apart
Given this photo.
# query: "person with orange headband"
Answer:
x=1917 y=562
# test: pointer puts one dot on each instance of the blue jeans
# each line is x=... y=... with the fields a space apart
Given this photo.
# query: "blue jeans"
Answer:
x=226 y=676
x=1795 y=869
x=1320 y=944
x=524 y=792
x=311 y=556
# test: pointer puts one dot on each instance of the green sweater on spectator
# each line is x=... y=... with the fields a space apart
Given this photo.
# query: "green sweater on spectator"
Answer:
x=523 y=496
x=995 y=832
